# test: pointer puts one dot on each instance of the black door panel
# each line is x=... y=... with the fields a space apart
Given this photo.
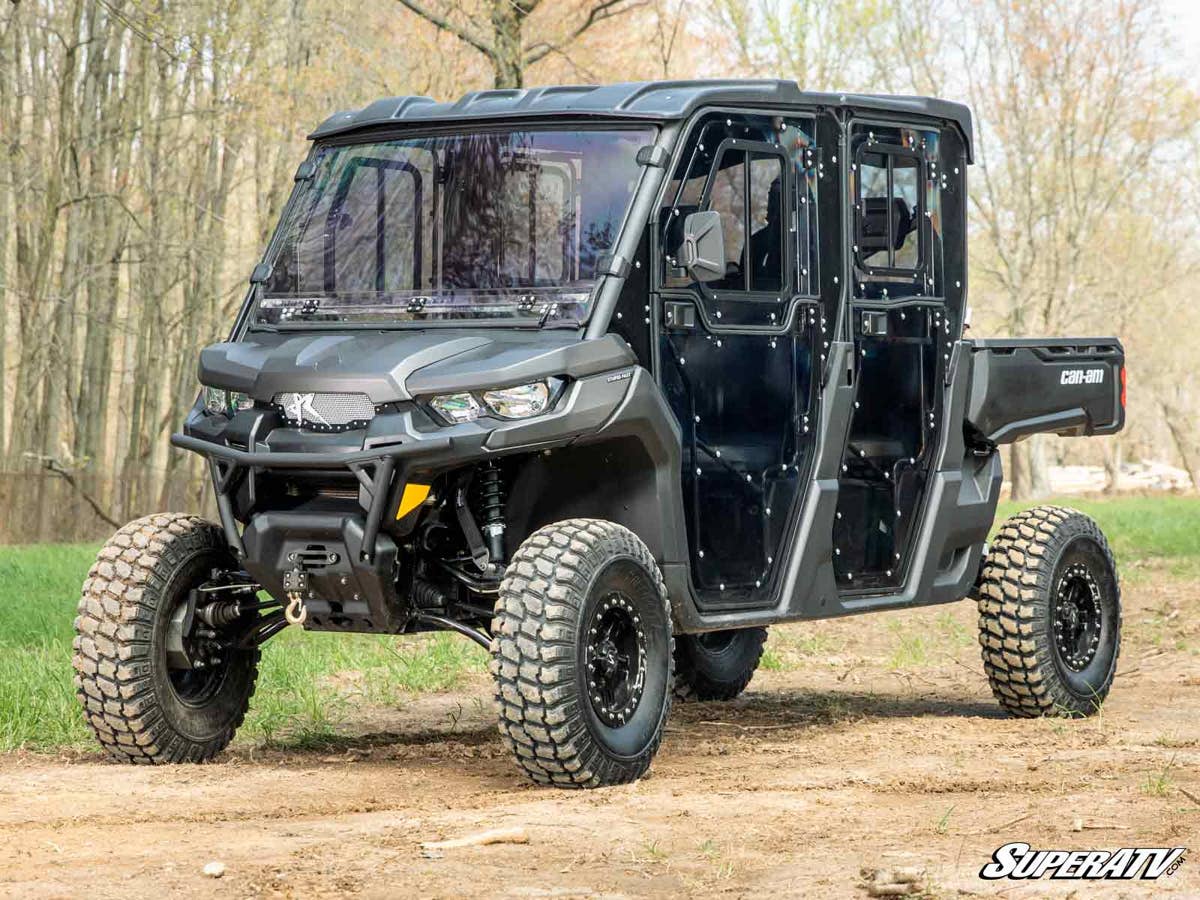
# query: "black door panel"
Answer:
x=745 y=406
x=899 y=358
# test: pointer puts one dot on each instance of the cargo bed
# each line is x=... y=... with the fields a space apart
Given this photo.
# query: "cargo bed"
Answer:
x=1066 y=386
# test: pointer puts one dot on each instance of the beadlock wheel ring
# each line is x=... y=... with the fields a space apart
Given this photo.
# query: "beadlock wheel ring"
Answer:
x=615 y=660
x=1078 y=618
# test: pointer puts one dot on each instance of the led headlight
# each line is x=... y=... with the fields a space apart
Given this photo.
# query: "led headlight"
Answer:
x=457 y=408
x=521 y=402
x=223 y=402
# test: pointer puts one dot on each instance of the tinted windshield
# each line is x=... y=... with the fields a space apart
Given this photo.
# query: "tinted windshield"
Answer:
x=499 y=224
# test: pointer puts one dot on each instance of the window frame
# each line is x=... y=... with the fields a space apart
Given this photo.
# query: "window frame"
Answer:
x=868 y=271
x=750 y=149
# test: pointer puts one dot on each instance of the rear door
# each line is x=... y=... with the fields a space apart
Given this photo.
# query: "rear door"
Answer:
x=737 y=357
x=902 y=338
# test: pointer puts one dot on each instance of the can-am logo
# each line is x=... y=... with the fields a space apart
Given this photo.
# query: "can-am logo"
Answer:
x=1019 y=860
x=1082 y=376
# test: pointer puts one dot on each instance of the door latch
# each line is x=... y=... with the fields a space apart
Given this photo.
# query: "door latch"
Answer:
x=874 y=323
x=678 y=314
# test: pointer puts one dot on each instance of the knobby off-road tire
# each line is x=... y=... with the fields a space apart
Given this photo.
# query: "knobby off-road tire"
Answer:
x=140 y=710
x=1050 y=614
x=578 y=597
x=717 y=665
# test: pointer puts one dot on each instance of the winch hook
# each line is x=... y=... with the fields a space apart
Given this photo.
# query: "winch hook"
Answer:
x=296 y=612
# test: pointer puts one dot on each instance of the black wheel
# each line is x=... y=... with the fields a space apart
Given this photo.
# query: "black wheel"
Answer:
x=1050 y=614
x=717 y=665
x=152 y=690
x=582 y=655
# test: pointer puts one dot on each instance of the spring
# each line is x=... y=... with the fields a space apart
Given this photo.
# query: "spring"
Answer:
x=490 y=498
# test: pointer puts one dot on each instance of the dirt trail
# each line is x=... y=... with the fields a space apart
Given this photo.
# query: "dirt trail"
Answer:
x=850 y=758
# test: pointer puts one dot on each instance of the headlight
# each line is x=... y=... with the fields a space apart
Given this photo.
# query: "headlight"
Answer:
x=457 y=408
x=521 y=402
x=223 y=402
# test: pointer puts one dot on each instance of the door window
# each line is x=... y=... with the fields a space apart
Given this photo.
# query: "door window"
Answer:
x=746 y=188
x=887 y=212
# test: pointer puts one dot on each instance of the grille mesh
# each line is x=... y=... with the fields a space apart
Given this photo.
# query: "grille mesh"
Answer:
x=324 y=410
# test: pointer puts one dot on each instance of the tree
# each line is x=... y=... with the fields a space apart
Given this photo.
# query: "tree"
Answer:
x=1073 y=114
x=823 y=46
x=506 y=48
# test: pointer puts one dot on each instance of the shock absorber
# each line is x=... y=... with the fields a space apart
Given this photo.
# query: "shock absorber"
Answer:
x=491 y=497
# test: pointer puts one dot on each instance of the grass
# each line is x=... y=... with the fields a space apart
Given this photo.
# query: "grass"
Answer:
x=311 y=683
x=942 y=825
x=1159 y=783
x=308 y=683
x=914 y=649
x=1138 y=528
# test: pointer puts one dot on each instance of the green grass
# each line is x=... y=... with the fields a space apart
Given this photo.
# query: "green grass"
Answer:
x=914 y=649
x=1159 y=783
x=308 y=683
x=1165 y=527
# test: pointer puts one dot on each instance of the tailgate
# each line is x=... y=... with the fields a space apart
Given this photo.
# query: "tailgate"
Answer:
x=1068 y=386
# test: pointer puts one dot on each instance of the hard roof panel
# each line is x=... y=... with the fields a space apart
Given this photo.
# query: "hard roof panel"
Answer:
x=655 y=100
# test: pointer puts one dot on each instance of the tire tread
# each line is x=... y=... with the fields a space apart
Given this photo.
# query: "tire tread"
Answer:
x=112 y=645
x=1013 y=596
x=533 y=655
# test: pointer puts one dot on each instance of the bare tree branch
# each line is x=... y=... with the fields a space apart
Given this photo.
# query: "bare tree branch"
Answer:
x=52 y=465
x=607 y=9
x=444 y=23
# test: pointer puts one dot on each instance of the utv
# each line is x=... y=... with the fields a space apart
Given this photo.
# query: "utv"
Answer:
x=609 y=379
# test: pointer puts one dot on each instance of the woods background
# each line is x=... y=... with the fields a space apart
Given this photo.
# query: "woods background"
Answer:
x=146 y=148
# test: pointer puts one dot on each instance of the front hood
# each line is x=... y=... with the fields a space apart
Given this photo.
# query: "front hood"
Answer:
x=389 y=366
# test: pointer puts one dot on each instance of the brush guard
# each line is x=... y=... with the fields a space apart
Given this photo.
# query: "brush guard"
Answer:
x=373 y=468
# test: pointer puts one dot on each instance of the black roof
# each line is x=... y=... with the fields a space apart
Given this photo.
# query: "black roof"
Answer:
x=653 y=100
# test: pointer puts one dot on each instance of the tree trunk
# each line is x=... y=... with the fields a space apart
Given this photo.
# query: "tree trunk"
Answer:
x=508 y=58
x=1018 y=475
x=1112 y=466
x=1183 y=445
x=1039 y=467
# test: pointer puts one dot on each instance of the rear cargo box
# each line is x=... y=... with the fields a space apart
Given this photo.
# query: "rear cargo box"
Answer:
x=1067 y=386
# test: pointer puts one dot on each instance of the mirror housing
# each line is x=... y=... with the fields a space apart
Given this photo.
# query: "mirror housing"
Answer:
x=703 y=250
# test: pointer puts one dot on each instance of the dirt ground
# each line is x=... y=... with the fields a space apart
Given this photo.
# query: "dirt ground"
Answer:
x=877 y=744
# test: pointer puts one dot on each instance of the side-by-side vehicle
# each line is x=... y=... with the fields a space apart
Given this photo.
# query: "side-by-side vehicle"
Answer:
x=609 y=380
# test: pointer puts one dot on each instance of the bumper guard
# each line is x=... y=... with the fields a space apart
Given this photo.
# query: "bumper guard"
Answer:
x=372 y=467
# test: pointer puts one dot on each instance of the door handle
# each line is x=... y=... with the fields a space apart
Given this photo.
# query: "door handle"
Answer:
x=679 y=314
x=874 y=323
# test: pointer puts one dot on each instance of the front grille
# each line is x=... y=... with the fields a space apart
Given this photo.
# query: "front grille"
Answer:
x=325 y=411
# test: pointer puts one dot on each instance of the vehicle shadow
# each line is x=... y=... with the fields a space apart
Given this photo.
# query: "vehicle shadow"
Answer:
x=818 y=708
x=752 y=714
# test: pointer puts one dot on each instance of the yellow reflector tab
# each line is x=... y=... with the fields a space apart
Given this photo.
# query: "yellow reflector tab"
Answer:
x=414 y=495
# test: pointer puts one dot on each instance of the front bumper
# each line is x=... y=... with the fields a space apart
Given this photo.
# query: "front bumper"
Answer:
x=397 y=446
x=373 y=467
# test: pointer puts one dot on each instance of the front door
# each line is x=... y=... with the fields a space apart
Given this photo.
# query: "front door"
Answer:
x=736 y=356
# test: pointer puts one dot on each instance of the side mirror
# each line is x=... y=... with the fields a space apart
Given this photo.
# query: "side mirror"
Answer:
x=703 y=250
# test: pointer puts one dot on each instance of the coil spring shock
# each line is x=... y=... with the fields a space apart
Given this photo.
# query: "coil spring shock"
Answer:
x=490 y=499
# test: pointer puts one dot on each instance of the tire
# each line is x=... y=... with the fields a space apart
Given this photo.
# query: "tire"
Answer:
x=140 y=710
x=1050 y=614
x=575 y=591
x=717 y=665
